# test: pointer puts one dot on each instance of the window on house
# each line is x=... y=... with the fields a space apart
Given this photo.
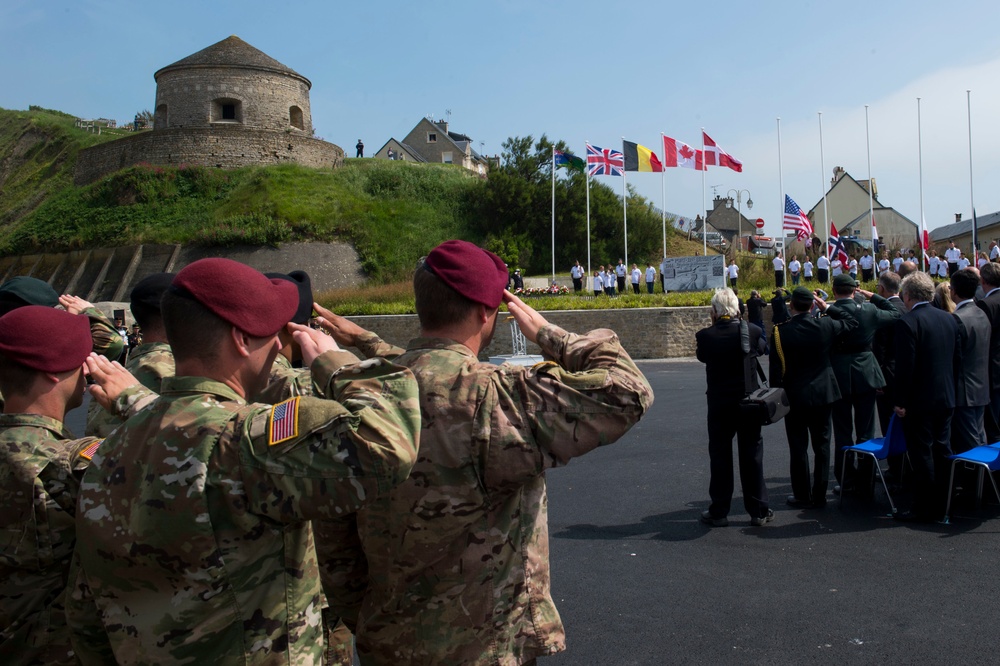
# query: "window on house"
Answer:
x=295 y=118
x=432 y=137
x=446 y=157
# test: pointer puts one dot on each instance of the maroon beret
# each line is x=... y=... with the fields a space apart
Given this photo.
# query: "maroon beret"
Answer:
x=240 y=295
x=45 y=339
x=475 y=273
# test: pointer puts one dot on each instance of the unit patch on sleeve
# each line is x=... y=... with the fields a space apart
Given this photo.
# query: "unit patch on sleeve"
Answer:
x=89 y=452
x=284 y=422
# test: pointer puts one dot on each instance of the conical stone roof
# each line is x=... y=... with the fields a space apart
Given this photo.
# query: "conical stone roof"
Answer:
x=232 y=52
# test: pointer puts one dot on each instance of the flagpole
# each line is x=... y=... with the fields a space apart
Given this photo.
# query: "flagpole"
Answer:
x=553 y=213
x=871 y=188
x=822 y=183
x=781 y=185
x=972 y=199
x=624 y=202
x=704 y=220
x=663 y=197
x=920 y=172
x=590 y=275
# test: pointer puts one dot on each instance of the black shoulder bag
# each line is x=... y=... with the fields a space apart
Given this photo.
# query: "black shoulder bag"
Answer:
x=770 y=403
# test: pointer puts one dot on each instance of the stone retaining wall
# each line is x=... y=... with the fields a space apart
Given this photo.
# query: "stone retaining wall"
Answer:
x=645 y=333
x=224 y=146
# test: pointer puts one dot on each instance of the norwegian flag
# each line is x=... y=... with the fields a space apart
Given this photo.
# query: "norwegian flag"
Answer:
x=605 y=161
x=836 y=249
x=715 y=156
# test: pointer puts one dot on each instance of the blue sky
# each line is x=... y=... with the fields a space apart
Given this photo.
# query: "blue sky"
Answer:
x=583 y=70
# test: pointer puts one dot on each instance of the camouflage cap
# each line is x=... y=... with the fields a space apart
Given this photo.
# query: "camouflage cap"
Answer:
x=23 y=290
x=239 y=294
x=475 y=273
x=67 y=339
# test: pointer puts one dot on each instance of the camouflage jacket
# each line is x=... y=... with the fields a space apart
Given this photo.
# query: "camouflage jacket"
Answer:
x=286 y=382
x=195 y=545
x=452 y=566
x=40 y=463
x=149 y=363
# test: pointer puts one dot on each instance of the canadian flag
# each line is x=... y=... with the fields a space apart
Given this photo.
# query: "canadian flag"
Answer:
x=715 y=156
x=679 y=154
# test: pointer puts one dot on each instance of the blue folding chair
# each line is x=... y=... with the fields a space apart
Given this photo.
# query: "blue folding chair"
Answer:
x=986 y=458
x=880 y=448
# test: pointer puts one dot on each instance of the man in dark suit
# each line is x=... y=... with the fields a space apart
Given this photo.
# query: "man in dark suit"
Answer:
x=858 y=373
x=800 y=362
x=972 y=380
x=989 y=275
x=720 y=348
x=926 y=344
x=884 y=348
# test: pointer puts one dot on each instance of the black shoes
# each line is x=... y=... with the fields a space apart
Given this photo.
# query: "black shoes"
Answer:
x=797 y=503
x=708 y=519
x=762 y=520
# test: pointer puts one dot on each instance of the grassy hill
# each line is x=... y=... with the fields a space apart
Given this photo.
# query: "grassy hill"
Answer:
x=393 y=212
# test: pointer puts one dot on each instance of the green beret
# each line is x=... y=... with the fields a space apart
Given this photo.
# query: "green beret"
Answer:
x=23 y=290
x=802 y=298
x=844 y=280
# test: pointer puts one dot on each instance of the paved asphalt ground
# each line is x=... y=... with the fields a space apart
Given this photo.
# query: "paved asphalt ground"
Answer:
x=639 y=580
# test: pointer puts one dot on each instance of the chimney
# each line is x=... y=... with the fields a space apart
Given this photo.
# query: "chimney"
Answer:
x=958 y=217
x=838 y=173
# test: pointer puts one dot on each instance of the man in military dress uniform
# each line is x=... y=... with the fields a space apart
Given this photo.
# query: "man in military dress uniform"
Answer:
x=800 y=362
x=194 y=538
x=40 y=465
x=858 y=375
x=453 y=564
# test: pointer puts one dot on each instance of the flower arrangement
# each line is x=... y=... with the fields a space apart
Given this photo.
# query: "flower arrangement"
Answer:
x=554 y=290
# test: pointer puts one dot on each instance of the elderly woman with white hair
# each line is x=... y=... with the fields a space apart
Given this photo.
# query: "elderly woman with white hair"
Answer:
x=719 y=347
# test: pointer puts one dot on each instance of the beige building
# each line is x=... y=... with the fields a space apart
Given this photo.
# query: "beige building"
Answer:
x=960 y=232
x=431 y=141
x=847 y=206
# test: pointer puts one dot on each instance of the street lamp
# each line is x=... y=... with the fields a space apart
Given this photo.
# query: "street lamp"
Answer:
x=739 y=213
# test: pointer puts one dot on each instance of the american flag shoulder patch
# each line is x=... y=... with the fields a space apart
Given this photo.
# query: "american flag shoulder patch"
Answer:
x=284 y=424
x=89 y=452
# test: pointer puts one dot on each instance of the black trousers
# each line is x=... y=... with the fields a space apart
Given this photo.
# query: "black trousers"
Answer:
x=801 y=423
x=726 y=421
x=779 y=279
x=967 y=430
x=883 y=405
x=577 y=284
x=867 y=274
x=621 y=283
x=853 y=423
x=928 y=442
x=823 y=274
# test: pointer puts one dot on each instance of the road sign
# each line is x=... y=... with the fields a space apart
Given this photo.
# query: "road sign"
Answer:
x=759 y=223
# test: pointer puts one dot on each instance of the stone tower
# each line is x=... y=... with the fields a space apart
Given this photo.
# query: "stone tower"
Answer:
x=232 y=83
x=227 y=106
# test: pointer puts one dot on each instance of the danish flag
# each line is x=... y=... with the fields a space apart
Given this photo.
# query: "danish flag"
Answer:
x=715 y=156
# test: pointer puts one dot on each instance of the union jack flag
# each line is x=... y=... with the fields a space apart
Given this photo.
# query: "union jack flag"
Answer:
x=605 y=162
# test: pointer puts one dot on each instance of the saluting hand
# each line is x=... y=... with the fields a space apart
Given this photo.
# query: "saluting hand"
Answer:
x=313 y=343
x=527 y=317
x=74 y=304
x=343 y=330
x=110 y=379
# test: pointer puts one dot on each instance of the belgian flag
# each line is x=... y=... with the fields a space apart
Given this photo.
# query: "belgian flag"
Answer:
x=640 y=158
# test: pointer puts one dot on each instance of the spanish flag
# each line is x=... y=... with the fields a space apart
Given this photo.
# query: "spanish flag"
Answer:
x=640 y=158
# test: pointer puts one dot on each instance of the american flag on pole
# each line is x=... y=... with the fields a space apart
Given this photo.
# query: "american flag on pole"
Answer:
x=605 y=162
x=837 y=250
x=795 y=220
x=284 y=421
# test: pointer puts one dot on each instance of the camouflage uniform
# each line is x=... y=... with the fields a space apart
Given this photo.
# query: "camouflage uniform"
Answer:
x=195 y=545
x=149 y=363
x=455 y=559
x=38 y=458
